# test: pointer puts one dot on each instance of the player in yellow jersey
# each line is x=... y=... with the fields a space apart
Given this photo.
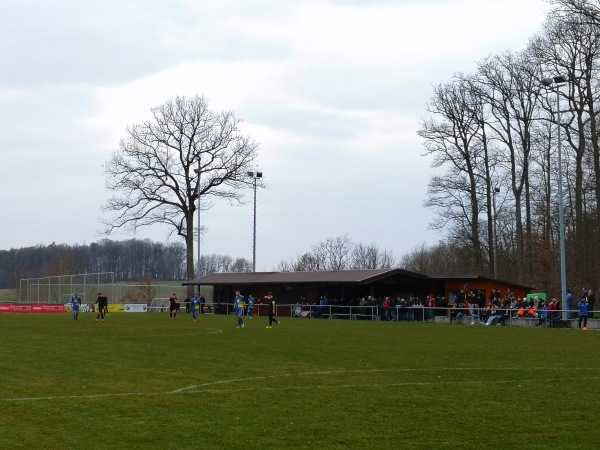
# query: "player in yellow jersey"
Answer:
x=240 y=304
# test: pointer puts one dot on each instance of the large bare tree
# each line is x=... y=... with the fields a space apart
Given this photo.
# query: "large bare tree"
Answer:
x=453 y=136
x=511 y=95
x=153 y=174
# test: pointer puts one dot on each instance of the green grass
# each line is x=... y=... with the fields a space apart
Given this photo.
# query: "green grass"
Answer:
x=9 y=295
x=143 y=381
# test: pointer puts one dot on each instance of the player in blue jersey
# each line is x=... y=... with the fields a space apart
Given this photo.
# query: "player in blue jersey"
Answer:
x=240 y=303
x=195 y=305
x=75 y=305
x=250 y=306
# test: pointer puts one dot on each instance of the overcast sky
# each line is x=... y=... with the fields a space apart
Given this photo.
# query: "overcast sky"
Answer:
x=332 y=90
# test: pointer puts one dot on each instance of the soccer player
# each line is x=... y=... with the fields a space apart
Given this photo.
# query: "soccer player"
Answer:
x=173 y=307
x=100 y=302
x=240 y=303
x=75 y=305
x=195 y=304
x=250 y=307
x=272 y=309
x=105 y=304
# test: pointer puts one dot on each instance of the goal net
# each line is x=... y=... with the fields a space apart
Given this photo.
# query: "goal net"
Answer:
x=159 y=304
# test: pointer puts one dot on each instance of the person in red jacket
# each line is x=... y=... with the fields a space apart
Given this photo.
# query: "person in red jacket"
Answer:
x=431 y=304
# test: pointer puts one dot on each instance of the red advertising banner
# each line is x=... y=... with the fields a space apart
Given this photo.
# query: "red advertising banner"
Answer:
x=27 y=308
x=50 y=308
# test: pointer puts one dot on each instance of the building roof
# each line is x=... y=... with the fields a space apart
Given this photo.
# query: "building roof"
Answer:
x=320 y=276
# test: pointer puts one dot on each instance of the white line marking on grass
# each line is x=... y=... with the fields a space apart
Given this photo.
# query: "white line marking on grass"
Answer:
x=61 y=397
x=386 y=385
x=200 y=332
x=197 y=388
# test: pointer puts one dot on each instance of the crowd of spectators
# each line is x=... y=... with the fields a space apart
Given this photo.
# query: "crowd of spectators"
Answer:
x=473 y=306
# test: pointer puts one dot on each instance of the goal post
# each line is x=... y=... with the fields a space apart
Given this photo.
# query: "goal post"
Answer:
x=159 y=304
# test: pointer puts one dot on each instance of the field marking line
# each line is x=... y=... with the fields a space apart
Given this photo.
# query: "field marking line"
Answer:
x=333 y=372
x=386 y=385
x=199 y=332
x=197 y=388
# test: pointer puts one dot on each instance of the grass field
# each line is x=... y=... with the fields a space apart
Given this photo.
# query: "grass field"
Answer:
x=144 y=381
x=9 y=295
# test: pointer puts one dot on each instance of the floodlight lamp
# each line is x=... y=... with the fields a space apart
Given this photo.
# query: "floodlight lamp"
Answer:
x=258 y=174
x=250 y=174
x=554 y=80
x=547 y=81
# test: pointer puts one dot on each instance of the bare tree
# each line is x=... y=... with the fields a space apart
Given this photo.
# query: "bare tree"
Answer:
x=144 y=292
x=512 y=80
x=371 y=257
x=152 y=174
x=340 y=253
x=303 y=263
x=334 y=253
x=443 y=258
x=570 y=46
x=586 y=11
x=453 y=136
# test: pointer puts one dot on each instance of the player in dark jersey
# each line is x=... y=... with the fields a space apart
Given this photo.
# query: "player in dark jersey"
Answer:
x=272 y=309
x=173 y=306
x=101 y=301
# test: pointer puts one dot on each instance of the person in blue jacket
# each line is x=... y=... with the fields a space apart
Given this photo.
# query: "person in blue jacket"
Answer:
x=583 y=312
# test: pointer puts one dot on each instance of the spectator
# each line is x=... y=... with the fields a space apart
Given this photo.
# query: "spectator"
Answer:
x=202 y=302
x=552 y=312
x=583 y=312
x=474 y=308
x=410 y=312
x=387 y=307
x=569 y=301
x=591 y=301
x=394 y=307
x=542 y=313
x=459 y=313
x=495 y=316
x=401 y=309
x=510 y=295
x=431 y=305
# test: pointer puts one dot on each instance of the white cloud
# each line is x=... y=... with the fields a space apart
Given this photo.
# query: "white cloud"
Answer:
x=333 y=91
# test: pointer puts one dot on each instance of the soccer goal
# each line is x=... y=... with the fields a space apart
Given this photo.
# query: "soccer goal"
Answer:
x=159 y=304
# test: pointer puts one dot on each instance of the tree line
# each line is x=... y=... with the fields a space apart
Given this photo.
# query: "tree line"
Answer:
x=130 y=260
x=493 y=136
x=137 y=260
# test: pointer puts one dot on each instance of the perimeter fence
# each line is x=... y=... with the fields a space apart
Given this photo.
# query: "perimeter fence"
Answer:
x=60 y=289
x=506 y=317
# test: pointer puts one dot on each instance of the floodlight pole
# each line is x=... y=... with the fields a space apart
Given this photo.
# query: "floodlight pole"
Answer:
x=199 y=273
x=496 y=191
x=254 y=176
x=548 y=82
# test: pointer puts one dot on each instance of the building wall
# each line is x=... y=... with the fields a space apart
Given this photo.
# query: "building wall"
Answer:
x=455 y=285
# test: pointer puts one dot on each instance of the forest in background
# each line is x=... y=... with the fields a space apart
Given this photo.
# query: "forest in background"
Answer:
x=130 y=260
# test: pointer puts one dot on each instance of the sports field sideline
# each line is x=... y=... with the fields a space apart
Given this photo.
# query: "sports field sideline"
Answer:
x=144 y=381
